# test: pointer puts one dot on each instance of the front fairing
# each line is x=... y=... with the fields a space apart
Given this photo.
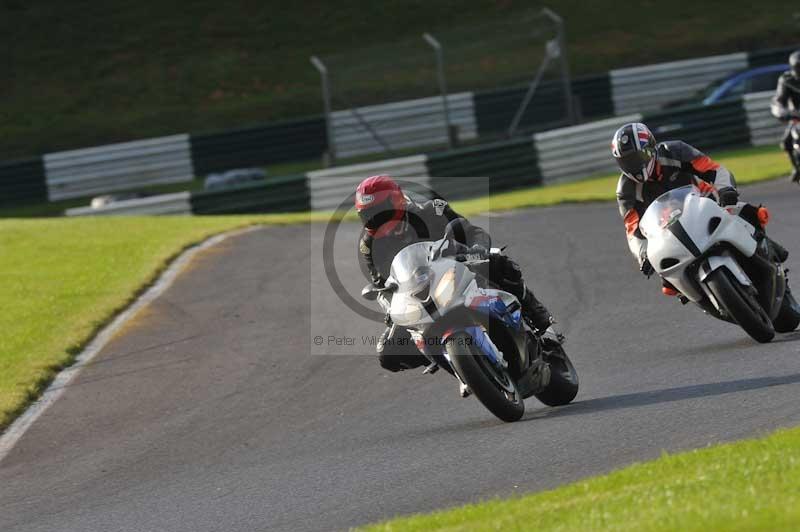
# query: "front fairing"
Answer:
x=427 y=287
x=683 y=225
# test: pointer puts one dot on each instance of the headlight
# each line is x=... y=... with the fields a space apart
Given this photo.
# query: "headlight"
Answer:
x=445 y=288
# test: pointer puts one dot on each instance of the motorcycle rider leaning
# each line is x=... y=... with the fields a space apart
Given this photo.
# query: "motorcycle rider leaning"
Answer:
x=391 y=222
x=786 y=107
x=650 y=169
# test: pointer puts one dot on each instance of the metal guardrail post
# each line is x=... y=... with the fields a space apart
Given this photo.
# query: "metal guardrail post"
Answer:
x=532 y=88
x=562 y=54
x=326 y=102
x=437 y=48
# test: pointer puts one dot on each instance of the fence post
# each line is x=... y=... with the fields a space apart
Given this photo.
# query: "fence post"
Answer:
x=562 y=54
x=437 y=48
x=532 y=88
x=326 y=102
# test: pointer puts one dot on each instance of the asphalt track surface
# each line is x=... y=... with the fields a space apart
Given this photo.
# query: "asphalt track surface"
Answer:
x=210 y=412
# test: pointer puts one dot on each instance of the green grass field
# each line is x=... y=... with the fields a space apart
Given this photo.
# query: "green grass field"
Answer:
x=64 y=278
x=748 y=485
x=89 y=72
x=79 y=272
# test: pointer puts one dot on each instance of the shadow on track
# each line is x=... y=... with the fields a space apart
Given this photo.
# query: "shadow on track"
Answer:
x=604 y=404
x=739 y=343
x=666 y=395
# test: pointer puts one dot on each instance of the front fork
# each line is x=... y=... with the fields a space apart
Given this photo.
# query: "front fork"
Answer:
x=478 y=334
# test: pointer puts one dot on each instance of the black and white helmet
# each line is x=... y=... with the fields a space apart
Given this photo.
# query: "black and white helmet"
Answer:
x=634 y=149
x=794 y=64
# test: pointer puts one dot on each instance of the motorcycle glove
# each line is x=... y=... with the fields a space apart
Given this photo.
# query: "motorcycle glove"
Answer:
x=728 y=196
x=474 y=252
x=478 y=249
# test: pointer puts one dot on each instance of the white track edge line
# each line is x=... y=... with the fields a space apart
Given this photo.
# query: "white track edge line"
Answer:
x=19 y=426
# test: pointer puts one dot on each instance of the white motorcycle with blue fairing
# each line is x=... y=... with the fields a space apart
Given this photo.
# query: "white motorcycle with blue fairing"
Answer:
x=719 y=259
x=473 y=331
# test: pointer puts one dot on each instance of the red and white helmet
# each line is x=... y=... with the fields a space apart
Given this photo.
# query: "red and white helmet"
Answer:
x=380 y=204
x=634 y=149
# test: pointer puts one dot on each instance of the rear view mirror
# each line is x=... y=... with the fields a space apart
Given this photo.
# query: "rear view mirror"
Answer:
x=370 y=292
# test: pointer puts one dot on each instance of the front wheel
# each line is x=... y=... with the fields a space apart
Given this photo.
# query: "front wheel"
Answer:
x=493 y=386
x=563 y=386
x=740 y=305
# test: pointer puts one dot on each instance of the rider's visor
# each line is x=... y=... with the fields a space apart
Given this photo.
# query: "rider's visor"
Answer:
x=376 y=215
x=635 y=164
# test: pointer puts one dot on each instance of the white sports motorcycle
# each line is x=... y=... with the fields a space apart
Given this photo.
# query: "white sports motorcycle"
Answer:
x=713 y=257
x=474 y=332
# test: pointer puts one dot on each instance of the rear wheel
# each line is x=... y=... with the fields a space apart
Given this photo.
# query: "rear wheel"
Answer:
x=563 y=386
x=740 y=305
x=788 y=318
x=493 y=386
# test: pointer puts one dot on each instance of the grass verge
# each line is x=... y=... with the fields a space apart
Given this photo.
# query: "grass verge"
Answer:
x=747 y=485
x=79 y=272
x=63 y=279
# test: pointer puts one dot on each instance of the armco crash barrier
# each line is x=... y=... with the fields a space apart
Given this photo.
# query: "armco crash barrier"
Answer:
x=80 y=173
x=275 y=194
x=647 y=88
x=709 y=127
x=578 y=151
x=506 y=165
x=22 y=182
x=401 y=125
x=295 y=140
x=569 y=153
x=163 y=204
x=495 y=109
x=331 y=187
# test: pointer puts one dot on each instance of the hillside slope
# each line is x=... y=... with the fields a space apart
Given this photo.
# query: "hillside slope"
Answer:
x=90 y=72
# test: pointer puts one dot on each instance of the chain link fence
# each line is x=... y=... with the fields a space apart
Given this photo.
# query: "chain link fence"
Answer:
x=429 y=82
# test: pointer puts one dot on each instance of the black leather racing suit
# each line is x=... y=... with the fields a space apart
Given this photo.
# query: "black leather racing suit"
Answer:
x=786 y=106
x=427 y=221
x=677 y=164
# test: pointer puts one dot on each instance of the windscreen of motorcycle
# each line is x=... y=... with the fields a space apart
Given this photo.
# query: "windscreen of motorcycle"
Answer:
x=413 y=274
x=666 y=210
x=410 y=267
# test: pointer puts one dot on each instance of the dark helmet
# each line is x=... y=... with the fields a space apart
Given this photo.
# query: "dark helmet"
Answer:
x=634 y=148
x=794 y=63
x=380 y=204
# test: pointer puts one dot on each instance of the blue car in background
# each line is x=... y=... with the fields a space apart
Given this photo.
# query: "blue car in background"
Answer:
x=759 y=79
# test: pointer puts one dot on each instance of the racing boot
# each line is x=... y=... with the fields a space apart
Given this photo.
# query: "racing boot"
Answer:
x=767 y=248
x=535 y=313
x=396 y=352
x=794 y=177
x=779 y=252
x=770 y=249
x=464 y=390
